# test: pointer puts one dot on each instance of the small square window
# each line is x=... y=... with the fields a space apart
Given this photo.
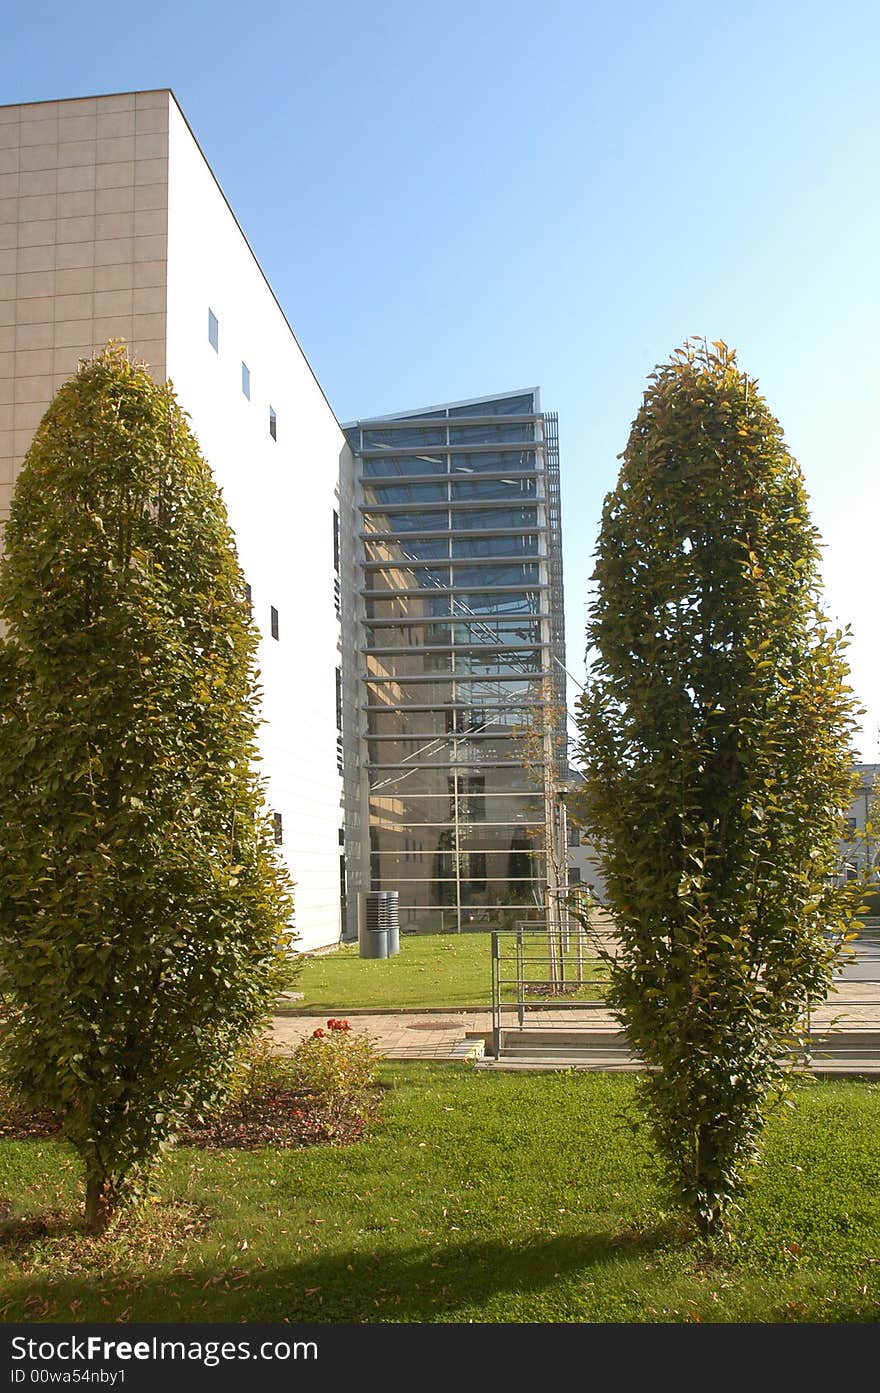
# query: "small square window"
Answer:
x=273 y=423
x=278 y=828
x=213 y=331
x=273 y=619
x=246 y=380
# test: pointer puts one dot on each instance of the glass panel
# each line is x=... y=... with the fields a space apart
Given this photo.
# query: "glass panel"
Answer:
x=393 y=813
x=492 y=488
x=437 y=891
x=378 y=467
x=441 y=603
x=408 y=578
x=523 y=405
x=404 y=493
x=412 y=810
x=407 y=522
x=488 y=663
x=415 y=549
x=445 y=719
x=496 y=633
x=491 y=461
x=436 y=860
x=408 y=606
x=400 y=437
x=475 y=519
x=408 y=780
x=410 y=849
x=525 y=808
x=403 y=664
x=407 y=635
x=504 y=892
x=415 y=919
x=418 y=919
x=502 y=841
x=515 y=602
x=416 y=896
x=489 y=435
x=476 y=577
x=504 y=914
x=483 y=745
x=517 y=545
x=469 y=691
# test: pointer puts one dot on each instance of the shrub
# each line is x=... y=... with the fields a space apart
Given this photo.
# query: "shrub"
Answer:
x=336 y=1069
x=716 y=734
x=142 y=900
x=324 y=1092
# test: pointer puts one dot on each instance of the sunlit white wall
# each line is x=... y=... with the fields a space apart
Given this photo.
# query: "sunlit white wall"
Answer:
x=281 y=495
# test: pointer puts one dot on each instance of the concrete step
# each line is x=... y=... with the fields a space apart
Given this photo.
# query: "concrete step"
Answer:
x=841 y=1068
x=852 y=1050
x=556 y=1037
x=535 y=1052
x=539 y=1064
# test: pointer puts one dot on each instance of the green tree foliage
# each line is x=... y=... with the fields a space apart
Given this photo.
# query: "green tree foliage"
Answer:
x=141 y=901
x=716 y=732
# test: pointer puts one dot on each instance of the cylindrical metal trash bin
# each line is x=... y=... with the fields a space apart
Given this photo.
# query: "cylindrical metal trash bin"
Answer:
x=378 y=924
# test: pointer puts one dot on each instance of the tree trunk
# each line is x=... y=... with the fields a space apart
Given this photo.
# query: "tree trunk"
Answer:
x=99 y=1205
x=712 y=1221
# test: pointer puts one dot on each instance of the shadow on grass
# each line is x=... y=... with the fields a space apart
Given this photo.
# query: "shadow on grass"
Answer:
x=18 y=1233
x=408 y=1285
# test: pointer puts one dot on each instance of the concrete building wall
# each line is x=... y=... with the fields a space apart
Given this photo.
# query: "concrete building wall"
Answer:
x=357 y=810
x=583 y=864
x=82 y=248
x=860 y=847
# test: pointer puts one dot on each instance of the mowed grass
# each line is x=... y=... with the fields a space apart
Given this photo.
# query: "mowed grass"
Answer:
x=431 y=970
x=485 y=1197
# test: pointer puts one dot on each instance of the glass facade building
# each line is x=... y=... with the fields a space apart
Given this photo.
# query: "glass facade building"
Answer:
x=461 y=691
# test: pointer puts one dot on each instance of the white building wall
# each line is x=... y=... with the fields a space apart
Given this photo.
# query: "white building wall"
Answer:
x=281 y=495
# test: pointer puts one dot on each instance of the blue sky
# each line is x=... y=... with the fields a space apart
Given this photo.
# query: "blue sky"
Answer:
x=451 y=200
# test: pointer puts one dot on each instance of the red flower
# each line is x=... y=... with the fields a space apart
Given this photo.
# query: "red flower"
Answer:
x=317 y=1034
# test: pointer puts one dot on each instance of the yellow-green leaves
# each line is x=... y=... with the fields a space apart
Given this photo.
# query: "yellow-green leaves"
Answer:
x=137 y=860
x=716 y=733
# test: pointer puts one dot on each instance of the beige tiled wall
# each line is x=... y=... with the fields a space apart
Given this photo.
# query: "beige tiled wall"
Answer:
x=83 y=248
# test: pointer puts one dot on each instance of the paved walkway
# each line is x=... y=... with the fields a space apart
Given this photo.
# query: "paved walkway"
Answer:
x=413 y=1035
x=452 y=1035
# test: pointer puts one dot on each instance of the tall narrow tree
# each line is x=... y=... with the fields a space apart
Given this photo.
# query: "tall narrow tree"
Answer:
x=141 y=901
x=716 y=732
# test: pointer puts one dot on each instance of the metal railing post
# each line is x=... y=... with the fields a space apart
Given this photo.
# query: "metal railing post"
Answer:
x=496 y=995
x=520 y=985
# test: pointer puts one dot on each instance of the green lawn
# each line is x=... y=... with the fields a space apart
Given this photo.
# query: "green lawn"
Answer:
x=430 y=970
x=485 y=1197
